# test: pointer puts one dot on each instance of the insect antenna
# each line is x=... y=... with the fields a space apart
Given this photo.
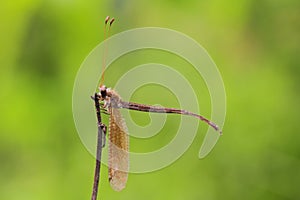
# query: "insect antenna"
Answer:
x=108 y=22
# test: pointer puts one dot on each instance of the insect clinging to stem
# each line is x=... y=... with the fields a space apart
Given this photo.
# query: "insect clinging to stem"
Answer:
x=109 y=101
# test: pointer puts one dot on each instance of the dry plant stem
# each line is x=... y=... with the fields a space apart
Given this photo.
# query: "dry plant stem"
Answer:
x=101 y=131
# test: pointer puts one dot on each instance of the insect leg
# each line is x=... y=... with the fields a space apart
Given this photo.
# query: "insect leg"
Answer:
x=104 y=111
x=104 y=129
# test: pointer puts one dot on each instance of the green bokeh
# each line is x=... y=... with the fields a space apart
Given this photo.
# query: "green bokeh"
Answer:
x=256 y=46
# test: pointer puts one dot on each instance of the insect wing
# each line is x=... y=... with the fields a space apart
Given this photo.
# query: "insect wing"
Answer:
x=118 y=163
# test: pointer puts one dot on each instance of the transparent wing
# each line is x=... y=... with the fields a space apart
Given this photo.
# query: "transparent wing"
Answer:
x=118 y=163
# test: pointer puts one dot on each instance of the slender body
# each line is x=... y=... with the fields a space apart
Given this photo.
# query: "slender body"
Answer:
x=118 y=144
x=116 y=102
x=110 y=102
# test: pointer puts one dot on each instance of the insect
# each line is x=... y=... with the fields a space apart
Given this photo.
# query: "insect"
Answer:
x=109 y=102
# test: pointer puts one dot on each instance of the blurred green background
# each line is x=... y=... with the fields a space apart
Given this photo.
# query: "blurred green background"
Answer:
x=256 y=46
